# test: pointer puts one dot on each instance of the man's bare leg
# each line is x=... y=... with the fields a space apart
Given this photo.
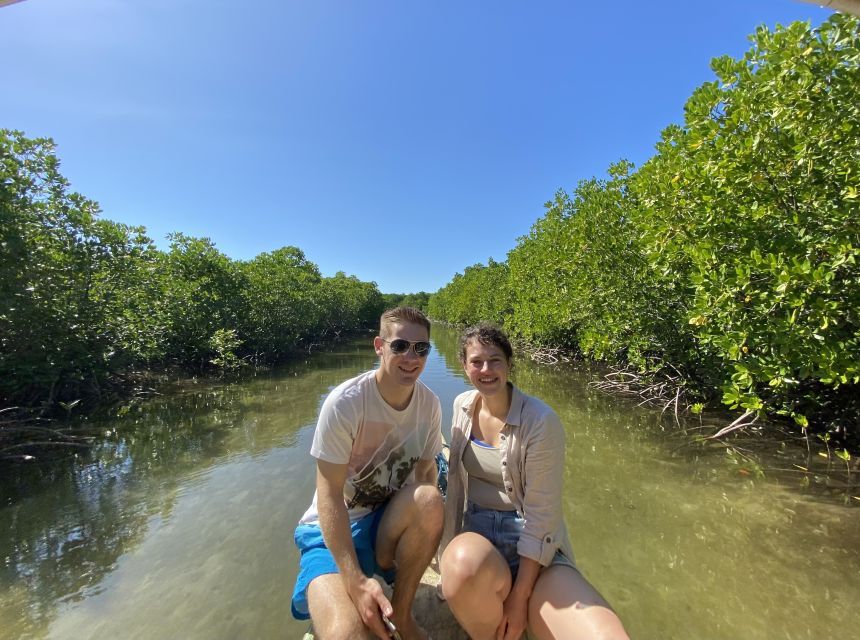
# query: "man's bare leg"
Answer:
x=332 y=611
x=408 y=537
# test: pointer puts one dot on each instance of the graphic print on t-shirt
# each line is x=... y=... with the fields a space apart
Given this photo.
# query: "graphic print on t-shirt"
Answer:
x=380 y=468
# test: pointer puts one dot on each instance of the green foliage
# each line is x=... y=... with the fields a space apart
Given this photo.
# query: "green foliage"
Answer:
x=537 y=288
x=349 y=304
x=418 y=300
x=480 y=293
x=754 y=203
x=281 y=301
x=202 y=294
x=83 y=299
x=73 y=300
x=731 y=255
x=581 y=280
x=224 y=343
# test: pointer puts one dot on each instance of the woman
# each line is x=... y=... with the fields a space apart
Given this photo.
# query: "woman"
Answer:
x=507 y=562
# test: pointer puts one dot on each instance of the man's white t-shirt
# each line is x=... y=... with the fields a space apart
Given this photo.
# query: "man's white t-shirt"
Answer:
x=380 y=445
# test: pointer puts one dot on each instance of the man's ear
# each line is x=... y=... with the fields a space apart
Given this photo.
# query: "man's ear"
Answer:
x=378 y=344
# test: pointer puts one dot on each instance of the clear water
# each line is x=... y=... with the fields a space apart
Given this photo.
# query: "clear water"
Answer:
x=178 y=524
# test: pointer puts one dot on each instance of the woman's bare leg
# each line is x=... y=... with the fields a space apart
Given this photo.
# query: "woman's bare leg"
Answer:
x=475 y=582
x=565 y=605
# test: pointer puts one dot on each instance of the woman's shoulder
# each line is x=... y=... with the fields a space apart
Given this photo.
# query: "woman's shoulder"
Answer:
x=465 y=398
x=461 y=404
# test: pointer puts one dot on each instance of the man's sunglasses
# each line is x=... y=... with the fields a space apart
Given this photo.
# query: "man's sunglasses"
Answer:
x=401 y=346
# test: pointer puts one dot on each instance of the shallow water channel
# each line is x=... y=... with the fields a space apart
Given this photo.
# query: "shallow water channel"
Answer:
x=178 y=523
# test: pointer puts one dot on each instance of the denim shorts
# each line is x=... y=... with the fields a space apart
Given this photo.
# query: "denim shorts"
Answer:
x=503 y=530
x=317 y=560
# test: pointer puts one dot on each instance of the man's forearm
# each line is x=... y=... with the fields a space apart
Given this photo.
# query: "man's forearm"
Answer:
x=334 y=523
x=366 y=593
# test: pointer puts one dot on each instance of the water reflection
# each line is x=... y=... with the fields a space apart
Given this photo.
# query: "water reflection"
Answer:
x=179 y=522
x=64 y=528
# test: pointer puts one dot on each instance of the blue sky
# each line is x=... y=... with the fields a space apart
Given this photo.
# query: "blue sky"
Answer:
x=398 y=141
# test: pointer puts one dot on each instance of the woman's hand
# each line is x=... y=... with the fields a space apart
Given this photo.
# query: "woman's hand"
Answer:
x=514 y=616
x=515 y=609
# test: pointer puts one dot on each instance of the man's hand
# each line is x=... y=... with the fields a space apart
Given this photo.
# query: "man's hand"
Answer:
x=366 y=593
x=370 y=602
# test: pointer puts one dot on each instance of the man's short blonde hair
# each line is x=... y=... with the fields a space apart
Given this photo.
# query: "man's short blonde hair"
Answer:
x=402 y=315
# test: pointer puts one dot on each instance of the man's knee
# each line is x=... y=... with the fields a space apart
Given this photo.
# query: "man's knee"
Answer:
x=429 y=507
x=339 y=628
x=418 y=505
x=333 y=614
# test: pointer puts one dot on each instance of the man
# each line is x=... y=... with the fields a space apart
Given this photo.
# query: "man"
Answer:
x=376 y=508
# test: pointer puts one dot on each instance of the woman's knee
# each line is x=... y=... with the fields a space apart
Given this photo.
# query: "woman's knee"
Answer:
x=466 y=563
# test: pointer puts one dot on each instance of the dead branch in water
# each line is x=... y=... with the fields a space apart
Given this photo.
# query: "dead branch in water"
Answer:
x=26 y=436
x=546 y=355
x=675 y=402
x=663 y=389
x=734 y=426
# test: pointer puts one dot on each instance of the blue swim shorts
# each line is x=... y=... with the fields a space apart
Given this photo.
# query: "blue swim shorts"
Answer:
x=317 y=560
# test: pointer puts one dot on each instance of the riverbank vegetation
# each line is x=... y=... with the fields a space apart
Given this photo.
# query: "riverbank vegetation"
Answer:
x=729 y=260
x=418 y=300
x=85 y=302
